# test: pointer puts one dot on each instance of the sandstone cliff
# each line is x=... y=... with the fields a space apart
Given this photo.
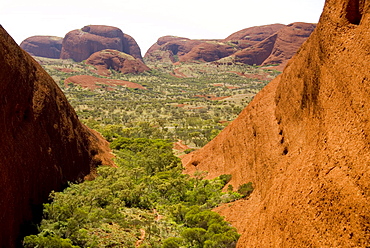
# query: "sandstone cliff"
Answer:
x=81 y=43
x=304 y=143
x=43 y=144
x=43 y=46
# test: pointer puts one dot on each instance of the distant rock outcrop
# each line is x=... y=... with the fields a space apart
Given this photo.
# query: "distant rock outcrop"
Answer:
x=250 y=36
x=170 y=48
x=108 y=59
x=208 y=51
x=304 y=143
x=81 y=43
x=260 y=45
x=43 y=144
x=43 y=46
x=278 y=48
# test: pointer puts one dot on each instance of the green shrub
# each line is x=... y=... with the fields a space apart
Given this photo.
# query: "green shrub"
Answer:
x=245 y=189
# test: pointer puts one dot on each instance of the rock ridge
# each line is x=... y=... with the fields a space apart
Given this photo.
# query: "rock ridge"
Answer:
x=304 y=143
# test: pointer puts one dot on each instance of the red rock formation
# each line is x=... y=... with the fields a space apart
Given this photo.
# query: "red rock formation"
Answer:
x=43 y=144
x=93 y=83
x=80 y=44
x=250 y=36
x=304 y=143
x=278 y=48
x=288 y=41
x=115 y=60
x=208 y=51
x=261 y=45
x=256 y=54
x=170 y=49
x=43 y=46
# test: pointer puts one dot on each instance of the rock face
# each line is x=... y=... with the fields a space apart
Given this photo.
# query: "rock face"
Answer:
x=304 y=143
x=170 y=49
x=43 y=144
x=80 y=44
x=253 y=35
x=115 y=60
x=43 y=46
x=261 y=45
x=208 y=51
x=278 y=48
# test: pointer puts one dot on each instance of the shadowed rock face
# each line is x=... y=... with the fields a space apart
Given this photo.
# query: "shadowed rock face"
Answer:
x=43 y=144
x=208 y=52
x=304 y=143
x=112 y=59
x=43 y=46
x=170 y=49
x=278 y=48
x=80 y=44
x=250 y=36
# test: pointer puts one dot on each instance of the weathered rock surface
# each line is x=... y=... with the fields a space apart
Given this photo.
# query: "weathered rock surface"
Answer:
x=108 y=59
x=304 y=143
x=170 y=48
x=43 y=144
x=278 y=48
x=43 y=46
x=208 y=51
x=250 y=36
x=81 y=43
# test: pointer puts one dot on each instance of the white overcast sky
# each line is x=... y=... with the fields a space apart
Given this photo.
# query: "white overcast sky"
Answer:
x=147 y=20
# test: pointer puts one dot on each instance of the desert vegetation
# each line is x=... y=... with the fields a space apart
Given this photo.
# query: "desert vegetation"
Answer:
x=145 y=202
x=188 y=102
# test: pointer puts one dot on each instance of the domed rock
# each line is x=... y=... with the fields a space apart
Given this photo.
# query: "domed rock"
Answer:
x=80 y=44
x=304 y=143
x=250 y=36
x=43 y=145
x=108 y=59
x=43 y=46
x=278 y=48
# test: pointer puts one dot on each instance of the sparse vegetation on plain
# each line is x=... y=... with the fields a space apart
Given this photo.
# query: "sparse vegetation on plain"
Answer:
x=188 y=102
x=147 y=201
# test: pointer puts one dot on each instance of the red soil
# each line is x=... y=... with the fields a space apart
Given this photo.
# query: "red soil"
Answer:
x=93 y=83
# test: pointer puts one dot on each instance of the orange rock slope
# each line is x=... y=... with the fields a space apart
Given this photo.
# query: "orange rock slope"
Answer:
x=43 y=144
x=304 y=142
